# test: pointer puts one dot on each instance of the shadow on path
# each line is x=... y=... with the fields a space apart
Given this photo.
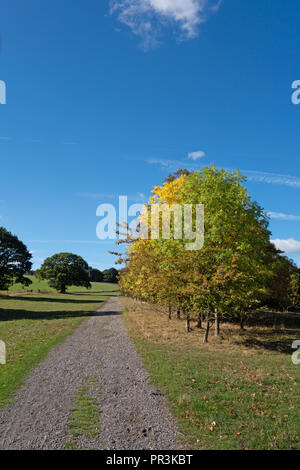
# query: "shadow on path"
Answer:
x=105 y=313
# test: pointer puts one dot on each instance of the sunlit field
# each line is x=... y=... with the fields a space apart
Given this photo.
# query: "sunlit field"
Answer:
x=239 y=391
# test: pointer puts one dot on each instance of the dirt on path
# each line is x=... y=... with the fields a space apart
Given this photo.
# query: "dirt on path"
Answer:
x=134 y=415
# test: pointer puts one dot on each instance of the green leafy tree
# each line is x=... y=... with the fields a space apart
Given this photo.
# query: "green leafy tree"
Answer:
x=173 y=176
x=228 y=275
x=283 y=286
x=295 y=289
x=63 y=270
x=14 y=260
x=96 y=275
x=110 y=275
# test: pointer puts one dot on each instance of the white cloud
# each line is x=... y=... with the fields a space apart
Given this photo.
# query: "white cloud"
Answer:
x=281 y=216
x=287 y=246
x=147 y=17
x=196 y=155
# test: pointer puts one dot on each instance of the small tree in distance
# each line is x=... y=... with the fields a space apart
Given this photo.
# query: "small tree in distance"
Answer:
x=96 y=275
x=63 y=270
x=110 y=275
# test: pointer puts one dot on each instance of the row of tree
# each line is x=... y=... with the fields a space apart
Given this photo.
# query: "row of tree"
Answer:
x=238 y=270
x=61 y=270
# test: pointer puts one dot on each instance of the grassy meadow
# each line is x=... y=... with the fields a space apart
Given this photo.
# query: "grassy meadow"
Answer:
x=42 y=285
x=31 y=323
x=239 y=391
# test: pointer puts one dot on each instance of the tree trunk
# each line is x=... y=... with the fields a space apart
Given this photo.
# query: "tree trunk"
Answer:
x=217 y=323
x=275 y=322
x=178 y=314
x=199 y=322
x=63 y=289
x=206 y=333
x=242 y=323
x=188 y=320
x=170 y=312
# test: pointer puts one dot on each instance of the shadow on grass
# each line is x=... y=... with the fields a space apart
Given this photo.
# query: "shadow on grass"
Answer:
x=14 y=314
x=102 y=292
x=273 y=340
x=61 y=300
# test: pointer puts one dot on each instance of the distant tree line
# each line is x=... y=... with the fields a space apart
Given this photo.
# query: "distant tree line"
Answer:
x=61 y=270
x=108 y=275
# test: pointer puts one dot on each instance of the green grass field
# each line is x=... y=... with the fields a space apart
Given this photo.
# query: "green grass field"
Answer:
x=31 y=323
x=43 y=286
x=240 y=391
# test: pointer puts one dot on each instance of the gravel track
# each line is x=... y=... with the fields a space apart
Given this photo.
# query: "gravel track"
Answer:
x=134 y=415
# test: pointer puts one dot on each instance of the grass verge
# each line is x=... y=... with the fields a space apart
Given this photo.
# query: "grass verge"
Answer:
x=84 y=418
x=241 y=391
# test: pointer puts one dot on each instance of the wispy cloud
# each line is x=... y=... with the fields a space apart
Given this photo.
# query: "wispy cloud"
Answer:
x=131 y=197
x=196 y=155
x=147 y=18
x=272 y=178
x=5 y=138
x=85 y=242
x=172 y=164
x=257 y=176
x=69 y=143
x=288 y=246
x=282 y=216
x=99 y=195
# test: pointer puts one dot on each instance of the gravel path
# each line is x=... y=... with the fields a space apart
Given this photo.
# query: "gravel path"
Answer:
x=134 y=415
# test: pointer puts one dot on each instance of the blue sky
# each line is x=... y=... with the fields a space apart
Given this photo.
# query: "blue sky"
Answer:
x=106 y=98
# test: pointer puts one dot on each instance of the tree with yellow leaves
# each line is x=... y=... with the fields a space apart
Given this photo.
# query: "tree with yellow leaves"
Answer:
x=229 y=272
